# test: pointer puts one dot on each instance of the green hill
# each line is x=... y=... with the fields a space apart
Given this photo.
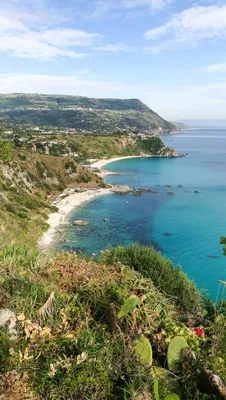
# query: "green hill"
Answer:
x=86 y=115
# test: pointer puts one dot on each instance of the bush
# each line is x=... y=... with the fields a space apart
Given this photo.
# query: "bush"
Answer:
x=83 y=179
x=9 y=207
x=60 y=188
x=22 y=214
x=4 y=350
x=166 y=277
x=6 y=151
x=46 y=186
x=70 y=165
x=22 y=157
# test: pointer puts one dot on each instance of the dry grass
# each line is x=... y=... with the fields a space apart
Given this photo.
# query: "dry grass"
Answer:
x=75 y=271
x=13 y=386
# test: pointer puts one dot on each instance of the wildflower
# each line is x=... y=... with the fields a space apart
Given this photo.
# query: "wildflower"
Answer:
x=198 y=331
x=190 y=323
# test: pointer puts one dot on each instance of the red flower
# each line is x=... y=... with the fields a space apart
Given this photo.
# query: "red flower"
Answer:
x=190 y=323
x=198 y=332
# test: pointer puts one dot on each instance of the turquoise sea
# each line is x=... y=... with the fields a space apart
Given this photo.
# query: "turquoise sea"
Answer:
x=186 y=227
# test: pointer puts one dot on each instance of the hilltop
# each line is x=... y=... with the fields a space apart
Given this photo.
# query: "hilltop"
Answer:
x=83 y=114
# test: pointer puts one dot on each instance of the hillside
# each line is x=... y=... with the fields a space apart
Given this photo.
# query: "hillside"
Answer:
x=28 y=184
x=181 y=126
x=82 y=114
x=127 y=327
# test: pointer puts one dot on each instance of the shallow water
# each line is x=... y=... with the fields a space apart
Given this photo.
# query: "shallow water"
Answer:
x=186 y=226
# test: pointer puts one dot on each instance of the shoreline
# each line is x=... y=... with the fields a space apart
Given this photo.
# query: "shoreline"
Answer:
x=65 y=206
x=75 y=200
x=102 y=162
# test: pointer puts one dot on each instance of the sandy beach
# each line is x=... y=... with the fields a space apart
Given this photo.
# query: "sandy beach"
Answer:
x=67 y=204
x=101 y=163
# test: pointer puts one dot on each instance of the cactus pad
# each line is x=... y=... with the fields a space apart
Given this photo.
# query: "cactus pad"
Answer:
x=144 y=350
x=177 y=344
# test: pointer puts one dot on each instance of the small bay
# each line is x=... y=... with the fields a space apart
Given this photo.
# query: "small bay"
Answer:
x=185 y=226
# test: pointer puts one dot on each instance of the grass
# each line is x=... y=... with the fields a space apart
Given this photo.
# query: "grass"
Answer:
x=81 y=349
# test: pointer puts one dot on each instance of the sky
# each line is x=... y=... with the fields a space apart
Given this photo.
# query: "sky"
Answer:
x=171 y=54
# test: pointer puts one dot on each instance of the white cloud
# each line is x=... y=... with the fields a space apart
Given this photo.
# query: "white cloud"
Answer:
x=68 y=37
x=29 y=47
x=20 y=40
x=75 y=84
x=114 y=48
x=190 y=26
x=11 y=24
x=150 y=4
x=109 y=8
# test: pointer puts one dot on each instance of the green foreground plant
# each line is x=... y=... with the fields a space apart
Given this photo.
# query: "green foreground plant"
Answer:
x=88 y=330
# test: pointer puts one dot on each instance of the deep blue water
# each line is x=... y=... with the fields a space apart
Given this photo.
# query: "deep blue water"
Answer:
x=186 y=226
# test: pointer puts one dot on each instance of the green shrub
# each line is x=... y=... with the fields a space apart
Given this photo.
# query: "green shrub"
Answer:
x=46 y=186
x=83 y=179
x=60 y=188
x=6 y=151
x=70 y=165
x=4 y=350
x=22 y=214
x=9 y=207
x=166 y=277
x=22 y=157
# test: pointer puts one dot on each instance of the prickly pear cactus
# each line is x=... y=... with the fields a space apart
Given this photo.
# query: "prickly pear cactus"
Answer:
x=156 y=389
x=128 y=306
x=177 y=344
x=144 y=350
x=172 y=396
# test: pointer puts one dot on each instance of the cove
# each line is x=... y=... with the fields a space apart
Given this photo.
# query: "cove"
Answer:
x=185 y=227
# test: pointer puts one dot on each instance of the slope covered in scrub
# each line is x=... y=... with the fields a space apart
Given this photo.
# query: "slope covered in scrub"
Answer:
x=87 y=115
x=82 y=328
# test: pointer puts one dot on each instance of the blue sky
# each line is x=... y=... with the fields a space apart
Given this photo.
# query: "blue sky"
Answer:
x=171 y=54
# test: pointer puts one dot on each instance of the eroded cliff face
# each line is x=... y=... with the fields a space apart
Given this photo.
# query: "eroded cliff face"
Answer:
x=26 y=191
x=15 y=178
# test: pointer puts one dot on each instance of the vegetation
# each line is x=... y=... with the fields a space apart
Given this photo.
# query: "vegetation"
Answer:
x=151 y=264
x=95 y=116
x=6 y=151
x=88 y=330
x=128 y=326
x=28 y=184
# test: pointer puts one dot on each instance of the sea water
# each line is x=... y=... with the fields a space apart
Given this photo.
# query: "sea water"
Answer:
x=186 y=227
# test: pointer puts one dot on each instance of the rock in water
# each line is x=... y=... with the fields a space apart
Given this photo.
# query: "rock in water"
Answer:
x=80 y=222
